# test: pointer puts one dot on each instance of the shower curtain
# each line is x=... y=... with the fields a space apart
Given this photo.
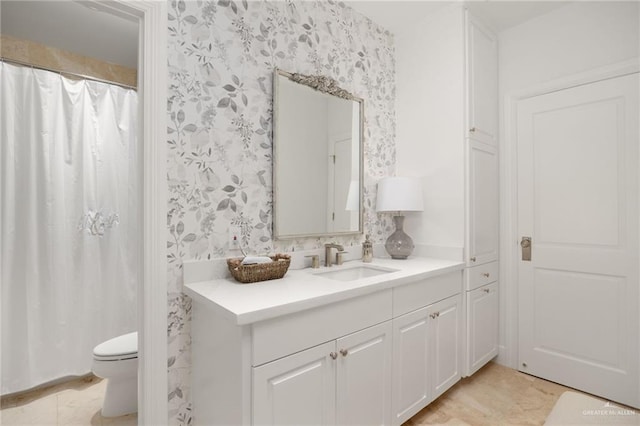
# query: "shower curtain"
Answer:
x=69 y=225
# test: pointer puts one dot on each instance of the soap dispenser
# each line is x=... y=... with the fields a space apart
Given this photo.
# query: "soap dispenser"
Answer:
x=367 y=250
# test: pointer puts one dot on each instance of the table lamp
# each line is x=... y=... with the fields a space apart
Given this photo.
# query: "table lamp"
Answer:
x=397 y=195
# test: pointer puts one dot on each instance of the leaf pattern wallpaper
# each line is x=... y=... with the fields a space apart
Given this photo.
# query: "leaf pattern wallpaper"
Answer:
x=221 y=59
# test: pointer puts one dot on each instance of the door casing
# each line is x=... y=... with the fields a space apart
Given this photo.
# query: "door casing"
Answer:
x=152 y=288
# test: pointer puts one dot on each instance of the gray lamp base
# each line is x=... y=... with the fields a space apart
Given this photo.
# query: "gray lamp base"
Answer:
x=399 y=245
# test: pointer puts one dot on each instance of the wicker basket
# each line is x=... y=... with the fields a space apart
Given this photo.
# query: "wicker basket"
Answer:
x=259 y=271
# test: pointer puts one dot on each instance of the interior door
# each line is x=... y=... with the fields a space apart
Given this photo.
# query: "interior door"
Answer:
x=578 y=203
x=340 y=166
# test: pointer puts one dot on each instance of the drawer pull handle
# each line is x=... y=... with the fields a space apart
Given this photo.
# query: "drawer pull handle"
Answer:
x=333 y=355
x=486 y=274
x=344 y=352
x=486 y=290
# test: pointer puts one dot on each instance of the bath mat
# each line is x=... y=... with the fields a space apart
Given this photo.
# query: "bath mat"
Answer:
x=574 y=408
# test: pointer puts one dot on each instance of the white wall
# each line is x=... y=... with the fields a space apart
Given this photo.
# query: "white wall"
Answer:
x=579 y=37
x=576 y=38
x=430 y=114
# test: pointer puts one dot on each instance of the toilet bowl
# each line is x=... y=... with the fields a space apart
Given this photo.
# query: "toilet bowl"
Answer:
x=116 y=360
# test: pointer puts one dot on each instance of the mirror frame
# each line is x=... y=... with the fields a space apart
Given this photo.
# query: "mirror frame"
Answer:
x=328 y=86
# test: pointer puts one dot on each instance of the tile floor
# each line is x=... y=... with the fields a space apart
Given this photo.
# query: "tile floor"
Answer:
x=495 y=395
x=74 y=403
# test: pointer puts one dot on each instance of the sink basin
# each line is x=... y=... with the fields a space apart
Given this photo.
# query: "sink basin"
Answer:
x=355 y=272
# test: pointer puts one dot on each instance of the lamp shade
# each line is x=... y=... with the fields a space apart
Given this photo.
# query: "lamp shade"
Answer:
x=399 y=194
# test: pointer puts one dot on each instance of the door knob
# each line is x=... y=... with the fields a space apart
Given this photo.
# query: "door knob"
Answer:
x=525 y=244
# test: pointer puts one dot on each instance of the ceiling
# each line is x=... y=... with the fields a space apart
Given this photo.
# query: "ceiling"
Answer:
x=74 y=26
x=97 y=34
x=396 y=16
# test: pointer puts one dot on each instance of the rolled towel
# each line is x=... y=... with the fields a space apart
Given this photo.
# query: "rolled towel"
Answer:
x=252 y=260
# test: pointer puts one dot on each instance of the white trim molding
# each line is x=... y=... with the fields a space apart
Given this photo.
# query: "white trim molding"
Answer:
x=509 y=238
x=151 y=16
x=152 y=371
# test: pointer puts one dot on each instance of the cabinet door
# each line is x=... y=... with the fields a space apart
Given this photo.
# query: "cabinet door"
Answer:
x=482 y=326
x=411 y=390
x=363 y=389
x=296 y=390
x=482 y=74
x=445 y=320
x=483 y=208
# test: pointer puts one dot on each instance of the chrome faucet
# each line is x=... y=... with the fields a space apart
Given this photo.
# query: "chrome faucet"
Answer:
x=327 y=252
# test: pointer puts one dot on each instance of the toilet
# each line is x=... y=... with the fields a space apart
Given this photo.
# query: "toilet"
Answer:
x=116 y=360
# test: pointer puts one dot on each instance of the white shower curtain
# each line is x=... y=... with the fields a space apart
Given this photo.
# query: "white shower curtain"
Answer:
x=69 y=226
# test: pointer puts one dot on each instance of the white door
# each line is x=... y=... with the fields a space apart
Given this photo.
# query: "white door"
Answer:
x=410 y=365
x=445 y=319
x=578 y=202
x=482 y=326
x=483 y=209
x=296 y=390
x=363 y=389
x=482 y=75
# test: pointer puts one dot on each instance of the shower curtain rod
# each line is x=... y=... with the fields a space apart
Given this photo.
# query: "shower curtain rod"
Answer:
x=85 y=77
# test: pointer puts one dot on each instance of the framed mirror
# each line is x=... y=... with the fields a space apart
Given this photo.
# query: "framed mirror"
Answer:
x=318 y=157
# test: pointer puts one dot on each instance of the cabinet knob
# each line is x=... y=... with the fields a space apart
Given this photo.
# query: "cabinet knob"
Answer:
x=472 y=130
x=486 y=274
x=473 y=259
x=435 y=315
x=333 y=355
x=486 y=290
x=344 y=352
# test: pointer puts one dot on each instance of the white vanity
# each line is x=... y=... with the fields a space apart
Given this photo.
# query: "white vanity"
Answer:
x=343 y=348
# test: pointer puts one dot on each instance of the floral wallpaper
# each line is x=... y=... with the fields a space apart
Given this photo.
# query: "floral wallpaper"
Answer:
x=221 y=58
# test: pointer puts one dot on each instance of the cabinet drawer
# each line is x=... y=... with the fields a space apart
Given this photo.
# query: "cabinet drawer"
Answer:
x=414 y=296
x=480 y=275
x=285 y=335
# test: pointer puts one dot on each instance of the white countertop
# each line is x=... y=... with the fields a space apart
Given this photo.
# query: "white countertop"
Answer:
x=301 y=289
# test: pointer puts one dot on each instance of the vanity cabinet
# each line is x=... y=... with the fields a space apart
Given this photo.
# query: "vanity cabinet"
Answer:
x=482 y=326
x=482 y=82
x=342 y=363
x=482 y=203
x=426 y=343
x=481 y=299
x=482 y=305
x=346 y=381
x=481 y=156
x=297 y=389
x=363 y=388
x=426 y=356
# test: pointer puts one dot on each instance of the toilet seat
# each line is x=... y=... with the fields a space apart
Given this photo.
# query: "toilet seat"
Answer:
x=117 y=349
